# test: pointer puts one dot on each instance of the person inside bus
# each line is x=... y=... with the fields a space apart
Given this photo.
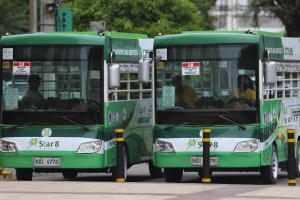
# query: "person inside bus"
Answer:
x=31 y=97
x=245 y=92
x=185 y=96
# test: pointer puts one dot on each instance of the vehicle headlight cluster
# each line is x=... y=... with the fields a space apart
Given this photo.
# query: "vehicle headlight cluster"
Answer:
x=163 y=146
x=90 y=147
x=6 y=146
x=247 y=146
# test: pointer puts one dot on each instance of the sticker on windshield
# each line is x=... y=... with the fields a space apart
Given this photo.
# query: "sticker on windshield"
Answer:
x=21 y=68
x=163 y=53
x=8 y=54
x=168 y=96
x=11 y=98
x=190 y=68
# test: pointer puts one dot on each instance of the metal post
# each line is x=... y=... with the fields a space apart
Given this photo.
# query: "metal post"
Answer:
x=291 y=157
x=206 y=155
x=33 y=16
x=47 y=21
x=120 y=176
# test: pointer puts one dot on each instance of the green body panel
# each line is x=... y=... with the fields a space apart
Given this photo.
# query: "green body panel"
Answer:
x=24 y=159
x=110 y=157
x=69 y=159
x=225 y=159
x=136 y=124
x=97 y=132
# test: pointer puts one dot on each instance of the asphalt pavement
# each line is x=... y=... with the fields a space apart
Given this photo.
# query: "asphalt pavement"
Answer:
x=155 y=189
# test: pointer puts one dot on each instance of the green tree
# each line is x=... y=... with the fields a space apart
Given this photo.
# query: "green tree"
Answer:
x=204 y=6
x=14 y=16
x=142 y=16
x=287 y=11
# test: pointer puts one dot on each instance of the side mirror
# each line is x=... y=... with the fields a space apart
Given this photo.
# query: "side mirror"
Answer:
x=144 y=72
x=114 y=76
x=270 y=73
x=112 y=56
x=144 y=69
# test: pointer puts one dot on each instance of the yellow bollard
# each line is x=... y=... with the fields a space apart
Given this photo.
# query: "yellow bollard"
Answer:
x=291 y=157
x=120 y=176
x=206 y=155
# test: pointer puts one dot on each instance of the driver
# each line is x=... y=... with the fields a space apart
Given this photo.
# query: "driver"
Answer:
x=31 y=97
x=186 y=97
x=245 y=92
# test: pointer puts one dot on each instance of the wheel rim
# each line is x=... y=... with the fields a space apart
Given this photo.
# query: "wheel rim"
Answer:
x=275 y=164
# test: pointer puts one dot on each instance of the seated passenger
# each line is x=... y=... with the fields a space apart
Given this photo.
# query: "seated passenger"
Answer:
x=245 y=93
x=186 y=96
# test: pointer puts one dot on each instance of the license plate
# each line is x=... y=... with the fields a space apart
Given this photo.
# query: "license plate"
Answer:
x=197 y=160
x=46 y=162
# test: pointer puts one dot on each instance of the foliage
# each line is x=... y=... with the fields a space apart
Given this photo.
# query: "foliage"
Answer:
x=286 y=11
x=204 y=6
x=14 y=16
x=143 y=16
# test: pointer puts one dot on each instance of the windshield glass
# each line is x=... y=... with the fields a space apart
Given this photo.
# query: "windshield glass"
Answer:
x=207 y=78
x=52 y=78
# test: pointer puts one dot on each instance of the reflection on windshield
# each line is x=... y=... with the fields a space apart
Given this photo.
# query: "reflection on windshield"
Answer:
x=208 y=78
x=53 y=78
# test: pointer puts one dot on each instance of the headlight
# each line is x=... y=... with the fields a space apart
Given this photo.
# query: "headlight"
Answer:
x=162 y=146
x=247 y=146
x=90 y=147
x=6 y=146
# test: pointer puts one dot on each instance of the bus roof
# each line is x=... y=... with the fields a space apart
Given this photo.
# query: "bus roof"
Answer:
x=254 y=32
x=83 y=38
x=214 y=37
x=50 y=38
x=126 y=35
x=113 y=34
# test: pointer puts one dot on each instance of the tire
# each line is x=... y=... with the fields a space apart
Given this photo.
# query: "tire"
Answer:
x=298 y=159
x=173 y=175
x=155 y=172
x=269 y=173
x=24 y=174
x=70 y=174
x=200 y=173
x=114 y=169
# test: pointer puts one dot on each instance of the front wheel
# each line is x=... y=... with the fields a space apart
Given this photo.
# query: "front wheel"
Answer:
x=155 y=172
x=24 y=174
x=298 y=159
x=200 y=173
x=70 y=174
x=269 y=173
x=173 y=175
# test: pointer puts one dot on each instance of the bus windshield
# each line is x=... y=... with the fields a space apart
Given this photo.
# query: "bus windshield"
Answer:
x=51 y=79
x=207 y=78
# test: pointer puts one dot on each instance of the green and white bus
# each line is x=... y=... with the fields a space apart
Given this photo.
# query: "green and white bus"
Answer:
x=90 y=87
x=245 y=136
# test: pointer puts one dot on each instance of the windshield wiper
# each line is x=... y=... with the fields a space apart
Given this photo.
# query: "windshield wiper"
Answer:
x=229 y=120
x=47 y=123
x=184 y=123
x=81 y=125
x=27 y=123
